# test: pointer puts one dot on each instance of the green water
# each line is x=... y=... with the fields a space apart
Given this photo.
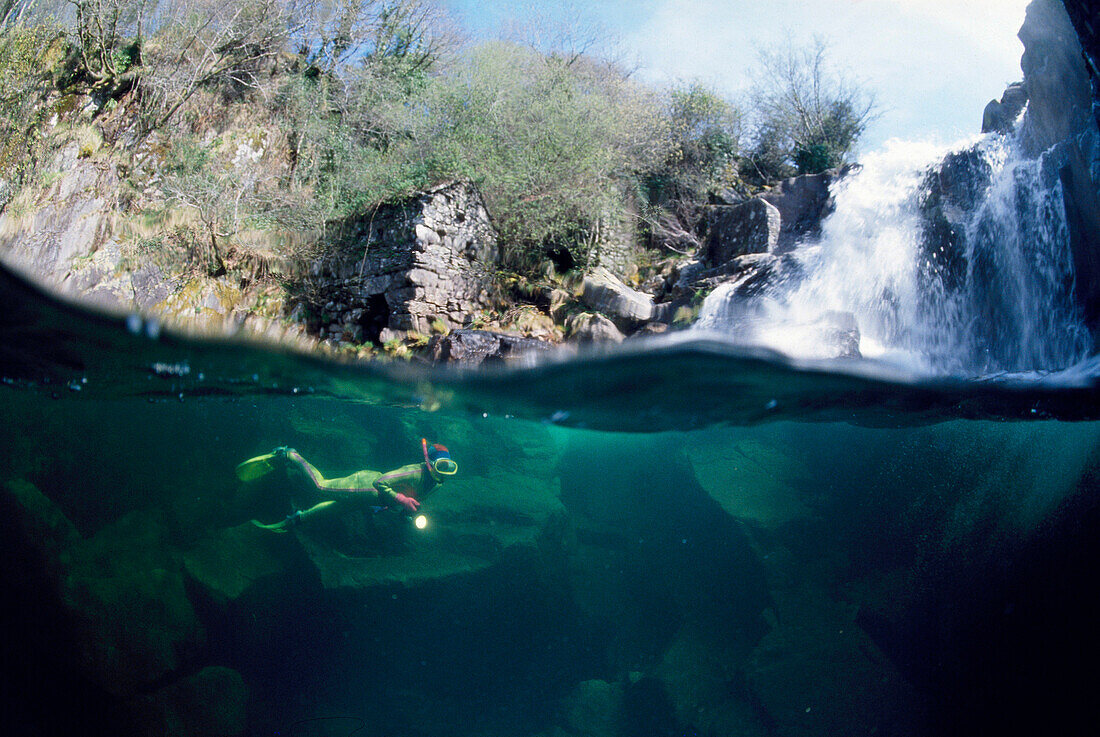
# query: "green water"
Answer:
x=681 y=540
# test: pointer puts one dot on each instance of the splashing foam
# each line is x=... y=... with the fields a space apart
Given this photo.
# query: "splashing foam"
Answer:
x=1011 y=310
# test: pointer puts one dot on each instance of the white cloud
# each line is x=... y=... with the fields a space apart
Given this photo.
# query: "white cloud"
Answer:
x=933 y=63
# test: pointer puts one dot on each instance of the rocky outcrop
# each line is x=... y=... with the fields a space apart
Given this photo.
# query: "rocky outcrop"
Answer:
x=1000 y=116
x=54 y=235
x=1057 y=80
x=1083 y=15
x=736 y=230
x=1061 y=122
x=419 y=262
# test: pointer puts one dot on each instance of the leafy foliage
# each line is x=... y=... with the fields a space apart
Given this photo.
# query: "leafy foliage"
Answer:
x=353 y=103
x=806 y=116
x=26 y=57
x=701 y=155
x=551 y=142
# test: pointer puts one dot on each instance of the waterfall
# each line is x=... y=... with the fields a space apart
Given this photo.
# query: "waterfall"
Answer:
x=947 y=260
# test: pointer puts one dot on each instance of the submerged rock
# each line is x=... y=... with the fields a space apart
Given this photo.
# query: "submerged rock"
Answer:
x=211 y=703
x=125 y=590
x=36 y=525
x=753 y=481
x=593 y=709
x=473 y=525
x=828 y=677
x=245 y=565
x=700 y=675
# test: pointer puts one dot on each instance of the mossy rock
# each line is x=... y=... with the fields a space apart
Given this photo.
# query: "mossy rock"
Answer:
x=126 y=593
x=245 y=564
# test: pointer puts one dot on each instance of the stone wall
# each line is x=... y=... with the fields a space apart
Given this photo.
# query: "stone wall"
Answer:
x=411 y=264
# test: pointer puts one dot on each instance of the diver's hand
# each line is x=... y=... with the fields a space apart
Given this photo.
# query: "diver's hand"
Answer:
x=407 y=502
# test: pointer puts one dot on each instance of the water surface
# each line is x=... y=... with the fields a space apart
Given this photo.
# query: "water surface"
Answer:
x=673 y=538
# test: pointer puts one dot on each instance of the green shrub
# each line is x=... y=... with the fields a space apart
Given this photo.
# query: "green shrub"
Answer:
x=551 y=143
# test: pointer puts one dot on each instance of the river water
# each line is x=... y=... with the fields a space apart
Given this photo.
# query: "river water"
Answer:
x=679 y=537
x=983 y=286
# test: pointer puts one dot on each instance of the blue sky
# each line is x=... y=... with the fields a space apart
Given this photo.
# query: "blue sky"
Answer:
x=933 y=64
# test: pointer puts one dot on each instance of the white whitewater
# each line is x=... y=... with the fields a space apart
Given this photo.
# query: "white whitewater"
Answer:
x=1011 y=310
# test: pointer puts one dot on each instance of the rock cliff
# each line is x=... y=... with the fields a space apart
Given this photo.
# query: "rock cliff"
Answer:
x=1061 y=122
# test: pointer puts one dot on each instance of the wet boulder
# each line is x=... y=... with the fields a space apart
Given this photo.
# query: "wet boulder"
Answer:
x=603 y=292
x=466 y=347
x=592 y=328
x=949 y=194
x=736 y=230
x=803 y=203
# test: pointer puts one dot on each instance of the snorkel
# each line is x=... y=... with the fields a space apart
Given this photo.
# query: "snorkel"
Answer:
x=434 y=457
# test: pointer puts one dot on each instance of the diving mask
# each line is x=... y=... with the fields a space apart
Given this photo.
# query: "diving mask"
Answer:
x=438 y=458
x=445 y=467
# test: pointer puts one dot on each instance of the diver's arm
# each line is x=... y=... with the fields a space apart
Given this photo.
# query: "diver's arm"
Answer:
x=391 y=487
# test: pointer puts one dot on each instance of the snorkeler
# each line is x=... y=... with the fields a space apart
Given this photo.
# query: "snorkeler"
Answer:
x=399 y=490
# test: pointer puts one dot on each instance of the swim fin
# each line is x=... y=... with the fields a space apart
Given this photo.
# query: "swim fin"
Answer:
x=275 y=527
x=257 y=467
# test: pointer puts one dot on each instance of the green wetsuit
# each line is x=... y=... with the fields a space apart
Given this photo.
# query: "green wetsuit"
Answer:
x=370 y=487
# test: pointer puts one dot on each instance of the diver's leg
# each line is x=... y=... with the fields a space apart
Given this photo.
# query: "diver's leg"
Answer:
x=294 y=458
x=297 y=518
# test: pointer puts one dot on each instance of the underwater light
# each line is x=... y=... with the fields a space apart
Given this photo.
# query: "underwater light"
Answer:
x=420 y=521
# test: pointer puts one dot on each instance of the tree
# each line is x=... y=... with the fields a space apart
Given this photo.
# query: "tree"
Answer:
x=104 y=29
x=806 y=117
x=552 y=142
x=336 y=36
x=704 y=139
x=198 y=43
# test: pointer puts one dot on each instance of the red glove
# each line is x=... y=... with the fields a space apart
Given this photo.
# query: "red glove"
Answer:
x=407 y=502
